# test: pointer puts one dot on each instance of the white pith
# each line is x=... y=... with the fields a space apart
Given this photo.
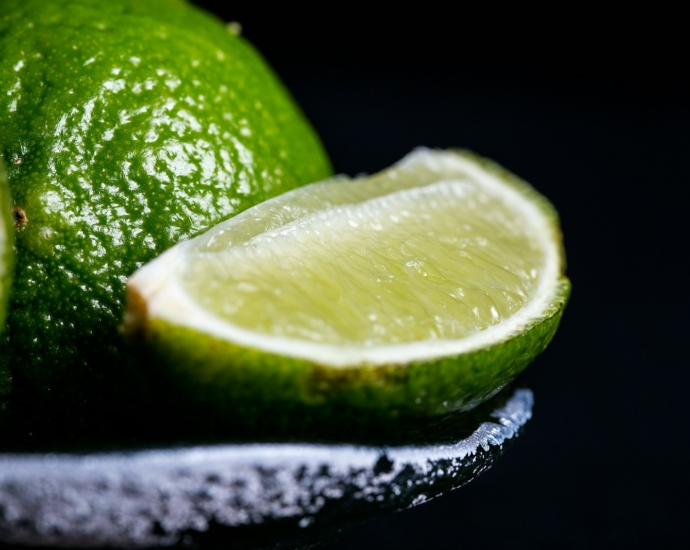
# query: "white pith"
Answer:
x=167 y=300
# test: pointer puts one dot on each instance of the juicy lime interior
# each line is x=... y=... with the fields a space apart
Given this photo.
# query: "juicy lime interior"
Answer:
x=371 y=262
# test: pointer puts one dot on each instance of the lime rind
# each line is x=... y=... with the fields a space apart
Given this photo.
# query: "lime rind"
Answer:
x=234 y=379
x=240 y=370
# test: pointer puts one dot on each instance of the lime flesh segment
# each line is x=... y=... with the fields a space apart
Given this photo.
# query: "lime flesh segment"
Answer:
x=423 y=289
x=388 y=270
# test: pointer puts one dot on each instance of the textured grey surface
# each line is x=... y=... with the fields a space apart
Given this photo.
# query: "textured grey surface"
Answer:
x=175 y=496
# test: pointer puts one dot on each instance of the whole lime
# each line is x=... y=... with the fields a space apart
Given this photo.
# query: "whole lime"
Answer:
x=126 y=127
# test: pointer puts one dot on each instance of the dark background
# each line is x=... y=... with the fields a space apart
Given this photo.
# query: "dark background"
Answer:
x=593 y=111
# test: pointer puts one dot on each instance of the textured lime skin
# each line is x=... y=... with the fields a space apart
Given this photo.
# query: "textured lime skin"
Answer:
x=6 y=267
x=239 y=391
x=127 y=126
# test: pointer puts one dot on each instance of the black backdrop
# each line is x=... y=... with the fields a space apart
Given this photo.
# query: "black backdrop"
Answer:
x=593 y=113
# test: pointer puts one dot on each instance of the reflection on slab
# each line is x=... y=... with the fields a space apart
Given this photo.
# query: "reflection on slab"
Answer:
x=242 y=495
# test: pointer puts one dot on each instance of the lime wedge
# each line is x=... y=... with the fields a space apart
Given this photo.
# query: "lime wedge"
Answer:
x=420 y=290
